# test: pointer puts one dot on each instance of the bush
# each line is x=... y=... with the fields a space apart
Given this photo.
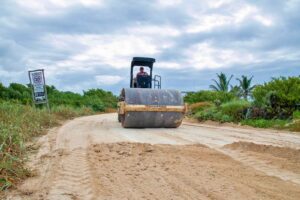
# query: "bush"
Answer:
x=236 y=109
x=226 y=112
x=213 y=114
x=208 y=96
x=206 y=114
x=107 y=98
x=255 y=112
x=221 y=117
x=264 y=123
x=94 y=103
x=296 y=114
x=196 y=107
x=279 y=97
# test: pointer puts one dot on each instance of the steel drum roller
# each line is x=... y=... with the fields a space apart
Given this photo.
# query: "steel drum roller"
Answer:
x=151 y=108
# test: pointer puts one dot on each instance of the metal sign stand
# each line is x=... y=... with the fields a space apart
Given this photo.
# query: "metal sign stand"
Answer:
x=38 y=86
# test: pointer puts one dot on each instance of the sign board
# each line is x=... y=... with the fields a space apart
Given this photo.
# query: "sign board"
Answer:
x=37 y=81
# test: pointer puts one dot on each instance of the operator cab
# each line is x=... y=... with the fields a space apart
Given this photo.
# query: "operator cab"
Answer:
x=142 y=81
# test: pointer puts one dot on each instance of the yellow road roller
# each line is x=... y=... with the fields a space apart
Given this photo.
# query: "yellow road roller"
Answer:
x=144 y=104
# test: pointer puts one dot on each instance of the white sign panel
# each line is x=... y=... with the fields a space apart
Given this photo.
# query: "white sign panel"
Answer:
x=37 y=78
x=38 y=84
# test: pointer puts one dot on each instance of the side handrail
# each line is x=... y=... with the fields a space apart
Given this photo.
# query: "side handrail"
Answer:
x=157 y=81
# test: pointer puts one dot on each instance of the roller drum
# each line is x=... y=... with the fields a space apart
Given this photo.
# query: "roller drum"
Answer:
x=154 y=115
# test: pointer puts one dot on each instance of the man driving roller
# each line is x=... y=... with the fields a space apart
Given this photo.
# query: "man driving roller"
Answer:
x=140 y=80
x=142 y=72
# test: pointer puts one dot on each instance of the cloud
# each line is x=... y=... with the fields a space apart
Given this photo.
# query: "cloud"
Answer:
x=169 y=2
x=83 y=44
x=204 y=56
x=110 y=50
x=12 y=56
x=53 y=7
x=107 y=79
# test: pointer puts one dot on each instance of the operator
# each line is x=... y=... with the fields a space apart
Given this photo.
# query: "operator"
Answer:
x=142 y=72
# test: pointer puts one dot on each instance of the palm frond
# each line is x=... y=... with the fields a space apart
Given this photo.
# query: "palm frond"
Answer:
x=214 y=87
x=218 y=85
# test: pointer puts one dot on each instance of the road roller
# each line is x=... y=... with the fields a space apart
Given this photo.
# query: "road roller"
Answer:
x=144 y=104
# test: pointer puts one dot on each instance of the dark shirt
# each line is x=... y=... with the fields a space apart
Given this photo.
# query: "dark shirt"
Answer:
x=142 y=74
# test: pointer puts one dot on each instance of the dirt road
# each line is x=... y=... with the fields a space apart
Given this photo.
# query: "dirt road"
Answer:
x=94 y=158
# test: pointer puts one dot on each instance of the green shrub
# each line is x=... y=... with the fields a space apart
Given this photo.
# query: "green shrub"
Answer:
x=221 y=117
x=213 y=114
x=235 y=109
x=107 y=98
x=226 y=118
x=264 y=123
x=279 y=96
x=94 y=103
x=206 y=114
x=255 y=112
x=208 y=96
x=296 y=114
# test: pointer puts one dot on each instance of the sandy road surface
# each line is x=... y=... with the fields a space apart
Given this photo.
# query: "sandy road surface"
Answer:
x=94 y=158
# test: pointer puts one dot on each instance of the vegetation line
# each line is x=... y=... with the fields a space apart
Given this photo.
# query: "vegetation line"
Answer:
x=274 y=104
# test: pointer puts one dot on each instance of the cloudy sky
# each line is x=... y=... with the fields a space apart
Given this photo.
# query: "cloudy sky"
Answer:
x=89 y=43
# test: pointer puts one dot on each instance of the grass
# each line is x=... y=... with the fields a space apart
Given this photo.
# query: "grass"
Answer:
x=18 y=125
x=68 y=112
x=295 y=126
x=196 y=107
x=264 y=123
x=296 y=114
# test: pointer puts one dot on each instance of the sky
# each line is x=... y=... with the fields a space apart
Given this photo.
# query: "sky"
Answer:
x=85 y=44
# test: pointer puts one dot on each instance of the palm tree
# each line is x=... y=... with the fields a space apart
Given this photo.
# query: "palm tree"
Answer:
x=235 y=90
x=222 y=84
x=245 y=86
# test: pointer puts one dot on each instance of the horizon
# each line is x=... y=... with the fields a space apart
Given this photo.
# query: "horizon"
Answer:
x=89 y=44
x=182 y=91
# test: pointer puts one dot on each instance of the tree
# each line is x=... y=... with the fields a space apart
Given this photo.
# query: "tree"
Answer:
x=222 y=84
x=235 y=90
x=245 y=86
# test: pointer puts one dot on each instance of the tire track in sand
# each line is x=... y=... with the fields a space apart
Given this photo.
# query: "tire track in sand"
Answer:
x=73 y=179
x=263 y=166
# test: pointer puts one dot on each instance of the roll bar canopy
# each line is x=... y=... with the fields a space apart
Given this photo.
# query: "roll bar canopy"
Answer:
x=141 y=61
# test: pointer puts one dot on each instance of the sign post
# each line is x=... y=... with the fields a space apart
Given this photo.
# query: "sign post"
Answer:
x=38 y=85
